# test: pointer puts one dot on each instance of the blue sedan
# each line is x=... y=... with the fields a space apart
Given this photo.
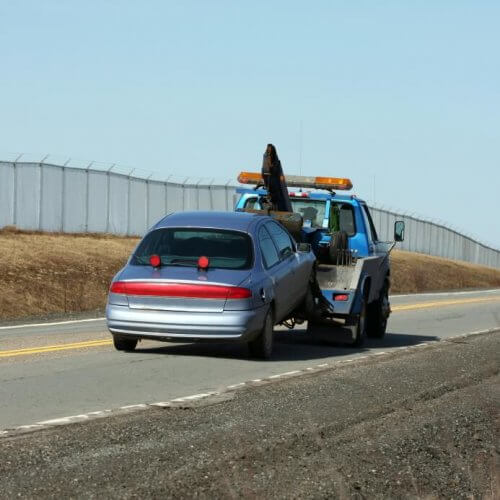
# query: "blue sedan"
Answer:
x=224 y=276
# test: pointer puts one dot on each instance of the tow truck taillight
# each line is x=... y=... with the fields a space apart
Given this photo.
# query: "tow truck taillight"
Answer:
x=180 y=290
x=340 y=297
x=296 y=194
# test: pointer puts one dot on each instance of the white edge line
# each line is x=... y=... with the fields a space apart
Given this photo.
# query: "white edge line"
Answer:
x=34 y=325
x=87 y=416
x=235 y=386
x=286 y=374
x=194 y=396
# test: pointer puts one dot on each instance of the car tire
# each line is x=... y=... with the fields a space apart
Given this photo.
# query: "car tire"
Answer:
x=358 y=331
x=378 y=314
x=124 y=344
x=262 y=346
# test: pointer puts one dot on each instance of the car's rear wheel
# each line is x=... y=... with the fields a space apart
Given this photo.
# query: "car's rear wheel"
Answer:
x=262 y=346
x=123 y=343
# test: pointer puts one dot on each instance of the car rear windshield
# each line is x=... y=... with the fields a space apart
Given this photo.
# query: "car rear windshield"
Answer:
x=184 y=246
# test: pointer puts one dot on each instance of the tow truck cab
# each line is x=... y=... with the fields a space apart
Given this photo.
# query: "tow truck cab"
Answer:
x=325 y=213
x=350 y=289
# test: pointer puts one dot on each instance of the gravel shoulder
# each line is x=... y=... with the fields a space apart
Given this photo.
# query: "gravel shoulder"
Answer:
x=421 y=423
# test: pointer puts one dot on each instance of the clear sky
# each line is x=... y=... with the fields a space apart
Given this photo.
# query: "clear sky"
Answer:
x=401 y=96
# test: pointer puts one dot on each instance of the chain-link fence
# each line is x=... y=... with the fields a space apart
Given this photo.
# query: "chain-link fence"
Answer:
x=106 y=198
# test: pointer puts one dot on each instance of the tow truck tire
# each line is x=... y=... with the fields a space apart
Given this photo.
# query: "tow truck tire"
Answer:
x=262 y=346
x=358 y=330
x=378 y=314
x=338 y=246
x=123 y=343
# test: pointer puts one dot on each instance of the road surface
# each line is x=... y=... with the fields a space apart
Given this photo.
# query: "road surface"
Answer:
x=52 y=371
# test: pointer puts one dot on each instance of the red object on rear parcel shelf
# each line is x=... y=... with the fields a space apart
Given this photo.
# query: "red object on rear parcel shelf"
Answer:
x=155 y=260
x=203 y=262
x=185 y=290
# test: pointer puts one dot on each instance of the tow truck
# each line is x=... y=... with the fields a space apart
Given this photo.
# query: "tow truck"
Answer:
x=348 y=299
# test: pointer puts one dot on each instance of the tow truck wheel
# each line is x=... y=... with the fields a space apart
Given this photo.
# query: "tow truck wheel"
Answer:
x=262 y=346
x=124 y=344
x=378 y=313
x=358 y=330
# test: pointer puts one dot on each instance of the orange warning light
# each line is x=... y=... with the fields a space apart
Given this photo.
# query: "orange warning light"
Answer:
x=329 y=183
x=333 y=183
x=250 y=178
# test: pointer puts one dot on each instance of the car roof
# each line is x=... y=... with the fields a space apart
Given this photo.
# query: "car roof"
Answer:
x=238 y=221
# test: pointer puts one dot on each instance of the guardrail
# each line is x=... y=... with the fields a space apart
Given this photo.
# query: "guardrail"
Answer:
x=62 y=198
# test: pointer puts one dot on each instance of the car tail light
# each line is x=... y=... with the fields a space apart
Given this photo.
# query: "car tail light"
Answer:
x=340 y=297
x=298 y=194
x=181 y=290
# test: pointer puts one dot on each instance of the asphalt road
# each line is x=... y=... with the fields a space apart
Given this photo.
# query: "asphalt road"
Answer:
x=57 y=370
x=416 y=423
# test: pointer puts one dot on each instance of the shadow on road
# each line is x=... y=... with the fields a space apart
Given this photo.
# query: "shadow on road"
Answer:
x=293 y=345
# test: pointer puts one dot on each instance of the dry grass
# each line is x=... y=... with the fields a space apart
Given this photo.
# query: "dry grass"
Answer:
x=43 y=273
x=415 y=272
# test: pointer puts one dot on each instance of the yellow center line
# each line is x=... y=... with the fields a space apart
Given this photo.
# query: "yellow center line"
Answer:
x=440 y=303
x=107 y=342
x=52 y=348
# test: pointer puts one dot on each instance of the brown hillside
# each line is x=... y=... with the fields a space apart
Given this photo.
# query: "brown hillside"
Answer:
x=43 y=274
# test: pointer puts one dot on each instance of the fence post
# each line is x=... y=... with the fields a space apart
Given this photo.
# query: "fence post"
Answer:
x=40 y=193
x=87 y=195
x=108 y=195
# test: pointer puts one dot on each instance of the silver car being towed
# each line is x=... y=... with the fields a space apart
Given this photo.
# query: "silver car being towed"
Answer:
x=225 y=276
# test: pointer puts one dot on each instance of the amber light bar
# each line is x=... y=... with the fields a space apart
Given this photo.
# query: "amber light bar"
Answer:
x=337 y=183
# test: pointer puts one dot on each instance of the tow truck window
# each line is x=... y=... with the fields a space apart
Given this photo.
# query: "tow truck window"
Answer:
x=370 y=223
x=268 y=249
x=281 y=238
x=342 y=218
x=253 y=203
x=312 y=210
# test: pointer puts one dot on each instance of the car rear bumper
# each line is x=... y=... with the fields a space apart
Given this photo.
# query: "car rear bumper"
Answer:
x=239 y=326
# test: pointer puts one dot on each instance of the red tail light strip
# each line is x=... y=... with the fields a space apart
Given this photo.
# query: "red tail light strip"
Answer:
x=184 y=290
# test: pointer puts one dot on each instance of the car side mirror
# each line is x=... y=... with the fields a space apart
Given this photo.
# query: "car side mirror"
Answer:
x=399 y=230
x=304 y=247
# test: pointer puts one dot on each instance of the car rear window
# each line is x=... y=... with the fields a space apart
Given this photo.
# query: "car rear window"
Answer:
x=184 y=246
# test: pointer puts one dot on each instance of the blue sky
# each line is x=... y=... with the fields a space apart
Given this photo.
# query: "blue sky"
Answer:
x=403 y=97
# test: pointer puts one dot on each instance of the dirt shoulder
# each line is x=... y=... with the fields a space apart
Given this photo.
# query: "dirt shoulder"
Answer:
x=417 y=424
x=46 y=275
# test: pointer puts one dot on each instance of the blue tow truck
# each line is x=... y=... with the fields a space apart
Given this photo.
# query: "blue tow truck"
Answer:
x=348 y=298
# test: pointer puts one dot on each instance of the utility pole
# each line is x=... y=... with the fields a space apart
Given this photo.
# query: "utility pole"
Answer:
x=300 y=147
